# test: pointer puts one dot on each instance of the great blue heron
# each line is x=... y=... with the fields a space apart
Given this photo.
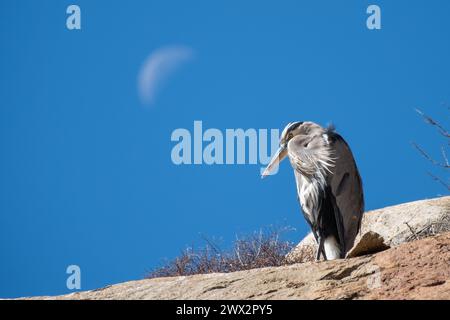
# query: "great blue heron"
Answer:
x=329 y=186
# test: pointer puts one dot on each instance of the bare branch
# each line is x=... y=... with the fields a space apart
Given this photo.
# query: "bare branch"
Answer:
x=444 y=132
x=429 y=158
x=444 y=155
x=435 y=178
x=412 y=231
x=433 y=122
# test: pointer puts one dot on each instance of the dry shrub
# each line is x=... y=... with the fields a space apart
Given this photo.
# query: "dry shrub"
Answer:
x=431 y=229
x=257 y=250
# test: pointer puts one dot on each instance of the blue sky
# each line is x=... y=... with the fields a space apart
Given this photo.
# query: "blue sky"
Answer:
x=86 y=176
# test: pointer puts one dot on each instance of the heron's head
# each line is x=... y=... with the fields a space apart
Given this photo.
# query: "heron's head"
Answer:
x=303 y=132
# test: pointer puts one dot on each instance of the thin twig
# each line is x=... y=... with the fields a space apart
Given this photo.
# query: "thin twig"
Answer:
x=412 y=231
x=435 y=178
x=444 y=155
x=433 y=122
x=429 y=158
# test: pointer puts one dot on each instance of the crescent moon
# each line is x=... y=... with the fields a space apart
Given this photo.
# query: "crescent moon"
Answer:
x=158 y=66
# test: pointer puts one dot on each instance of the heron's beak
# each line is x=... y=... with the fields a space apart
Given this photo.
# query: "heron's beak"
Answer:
x=275 y=161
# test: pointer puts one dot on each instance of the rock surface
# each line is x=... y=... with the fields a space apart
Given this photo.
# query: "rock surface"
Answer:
x=416 y=266
x=387 y=227
x=415 y=270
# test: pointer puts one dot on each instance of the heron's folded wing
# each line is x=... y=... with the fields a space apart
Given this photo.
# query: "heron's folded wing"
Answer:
x=346 y=186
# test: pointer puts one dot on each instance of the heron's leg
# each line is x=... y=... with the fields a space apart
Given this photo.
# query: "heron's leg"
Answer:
x=324 y=254
x=318 y=254
x=320 y=249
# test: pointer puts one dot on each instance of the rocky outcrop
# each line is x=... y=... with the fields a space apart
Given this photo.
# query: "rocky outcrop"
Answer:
x=402 y=252
x=389 y=227
x=416 y=270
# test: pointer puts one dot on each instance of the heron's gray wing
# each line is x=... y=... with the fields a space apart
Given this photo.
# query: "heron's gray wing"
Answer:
x=346 y=187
